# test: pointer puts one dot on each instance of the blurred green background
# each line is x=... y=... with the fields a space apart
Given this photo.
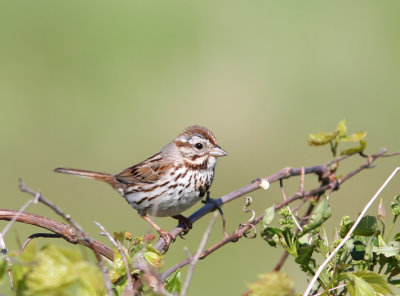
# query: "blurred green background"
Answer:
x=102 y=85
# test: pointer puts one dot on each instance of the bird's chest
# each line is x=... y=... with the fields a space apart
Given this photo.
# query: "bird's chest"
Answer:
x=173 y=194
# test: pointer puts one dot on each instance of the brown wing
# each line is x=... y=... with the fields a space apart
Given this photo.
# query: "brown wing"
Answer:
x=148 y=171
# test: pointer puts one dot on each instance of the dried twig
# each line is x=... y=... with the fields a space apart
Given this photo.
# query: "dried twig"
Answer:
x=129 y=291
x=64 y=230
x=77 y=227
x=196 y=256
x=21 y=210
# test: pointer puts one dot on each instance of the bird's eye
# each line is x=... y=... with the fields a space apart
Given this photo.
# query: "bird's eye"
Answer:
x=198 y=146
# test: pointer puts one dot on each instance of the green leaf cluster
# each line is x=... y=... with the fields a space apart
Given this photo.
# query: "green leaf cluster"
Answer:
x=366 y=283
x=337 y=136
x=367 y=264
x=135 y=249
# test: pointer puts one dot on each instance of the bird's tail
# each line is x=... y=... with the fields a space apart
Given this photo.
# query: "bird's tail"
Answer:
x=108 y=178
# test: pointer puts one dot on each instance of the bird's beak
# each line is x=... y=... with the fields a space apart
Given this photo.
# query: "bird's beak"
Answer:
x=218 y=151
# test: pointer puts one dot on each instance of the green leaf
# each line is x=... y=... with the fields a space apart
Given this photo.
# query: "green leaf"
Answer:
x=272 y=235
x=367 y=283
x=56 y=270
x=304 y=254
x=119 y=236
x=320 y=215
x=360 y=148
x=354 y=137
x=377 y=281
x=368 y=226
x=345 y=226
x=118 y=263
x=395 y=283
x=341 y=128
x=397 y=237
x=321 y=138
x=173 y=282
x=273 y=284
x=268 y=216
x=153 y=257
x=392 y=249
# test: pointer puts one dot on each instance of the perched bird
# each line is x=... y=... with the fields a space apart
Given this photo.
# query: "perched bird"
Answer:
x=169 y=182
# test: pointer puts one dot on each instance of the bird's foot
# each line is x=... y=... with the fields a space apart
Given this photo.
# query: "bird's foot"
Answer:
x=168 y=237
x=214 y=202
x=184 y=223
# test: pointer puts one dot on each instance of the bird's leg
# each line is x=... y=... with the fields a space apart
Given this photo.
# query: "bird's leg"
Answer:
x=184 y=222
x=213 y=202
x=167 y=236
x=216 y=205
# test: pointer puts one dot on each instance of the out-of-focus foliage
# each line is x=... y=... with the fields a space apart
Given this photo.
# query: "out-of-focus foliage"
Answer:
x=54 y=270
x=337 y=136
x=272 y=284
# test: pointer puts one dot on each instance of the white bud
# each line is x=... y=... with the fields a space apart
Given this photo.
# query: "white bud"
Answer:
x=264 y=184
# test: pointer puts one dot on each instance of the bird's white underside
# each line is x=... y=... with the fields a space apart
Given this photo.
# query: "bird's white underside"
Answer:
x=171 y=201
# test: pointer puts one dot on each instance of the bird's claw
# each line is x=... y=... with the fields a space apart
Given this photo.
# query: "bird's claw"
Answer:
x=167 y=237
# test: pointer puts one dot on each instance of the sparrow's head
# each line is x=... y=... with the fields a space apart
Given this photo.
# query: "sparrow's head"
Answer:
x=197 y=145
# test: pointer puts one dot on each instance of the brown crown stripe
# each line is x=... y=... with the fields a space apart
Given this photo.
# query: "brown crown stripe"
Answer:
x=205 y=133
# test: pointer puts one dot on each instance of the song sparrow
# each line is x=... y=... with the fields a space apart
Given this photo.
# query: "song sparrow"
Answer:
x=168 y=182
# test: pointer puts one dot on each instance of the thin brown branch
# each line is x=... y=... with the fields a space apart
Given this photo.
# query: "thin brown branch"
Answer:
x=64 y=230
x=321 y=170
x=129 y=289
x=77 y=227
x=323 y=173
x=281 y=261
x=196 y=256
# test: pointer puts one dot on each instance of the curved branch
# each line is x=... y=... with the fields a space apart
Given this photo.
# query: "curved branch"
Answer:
x=64 y=230
x=321 y=170
x=333 y=184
